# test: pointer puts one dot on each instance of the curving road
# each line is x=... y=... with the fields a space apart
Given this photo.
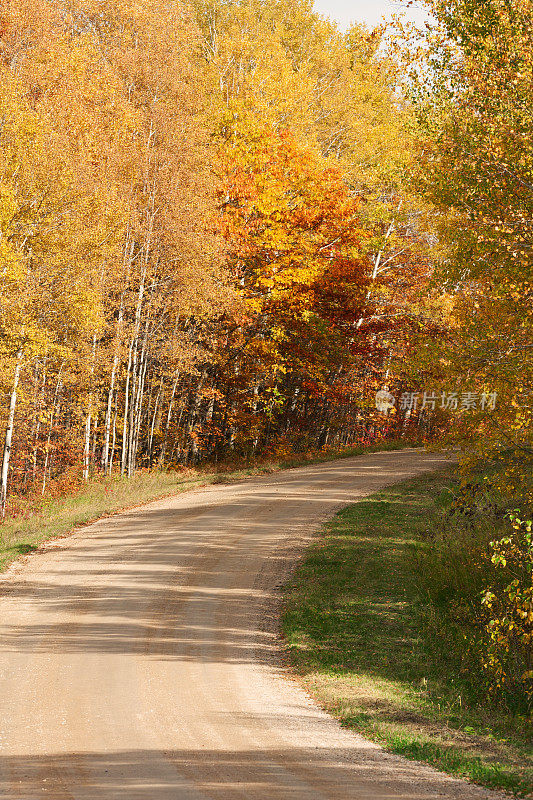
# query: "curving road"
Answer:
x=138 y=656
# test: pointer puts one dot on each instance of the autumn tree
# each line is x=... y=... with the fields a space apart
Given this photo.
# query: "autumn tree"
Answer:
x=335 y=93
x=52 y=227
x=105 y=204
x=297 y=254
x=208 y=247
x=475 y=167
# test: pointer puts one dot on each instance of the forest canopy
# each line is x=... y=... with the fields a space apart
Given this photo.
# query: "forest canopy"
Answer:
x=224 y=227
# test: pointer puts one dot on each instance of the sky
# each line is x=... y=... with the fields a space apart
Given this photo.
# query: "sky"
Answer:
x=369 y=11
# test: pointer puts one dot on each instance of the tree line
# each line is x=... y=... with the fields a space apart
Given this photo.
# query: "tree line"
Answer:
x=224 y=227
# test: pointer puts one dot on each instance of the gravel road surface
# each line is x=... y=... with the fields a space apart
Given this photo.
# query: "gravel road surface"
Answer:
x=139 y=657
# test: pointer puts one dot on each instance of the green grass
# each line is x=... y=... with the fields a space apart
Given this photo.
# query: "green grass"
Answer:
x=54 y=517
x=358 y=633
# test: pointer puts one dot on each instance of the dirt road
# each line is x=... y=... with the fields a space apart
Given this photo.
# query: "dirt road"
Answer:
x=138 y=657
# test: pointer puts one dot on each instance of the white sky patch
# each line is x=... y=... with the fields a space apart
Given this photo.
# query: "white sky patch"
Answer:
x=370 y=12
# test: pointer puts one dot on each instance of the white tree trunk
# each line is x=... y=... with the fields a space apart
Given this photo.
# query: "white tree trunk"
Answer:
x=9 y=435
x=49 y=437
x=88 y=421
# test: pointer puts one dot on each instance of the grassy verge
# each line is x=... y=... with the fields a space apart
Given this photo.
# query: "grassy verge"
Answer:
x=55 y=517
x=358 y=630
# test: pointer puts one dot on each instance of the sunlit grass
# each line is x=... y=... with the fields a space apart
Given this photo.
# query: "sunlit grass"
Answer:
x=355 y=625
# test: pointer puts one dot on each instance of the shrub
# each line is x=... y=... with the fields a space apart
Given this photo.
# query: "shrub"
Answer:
x=510 y=626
